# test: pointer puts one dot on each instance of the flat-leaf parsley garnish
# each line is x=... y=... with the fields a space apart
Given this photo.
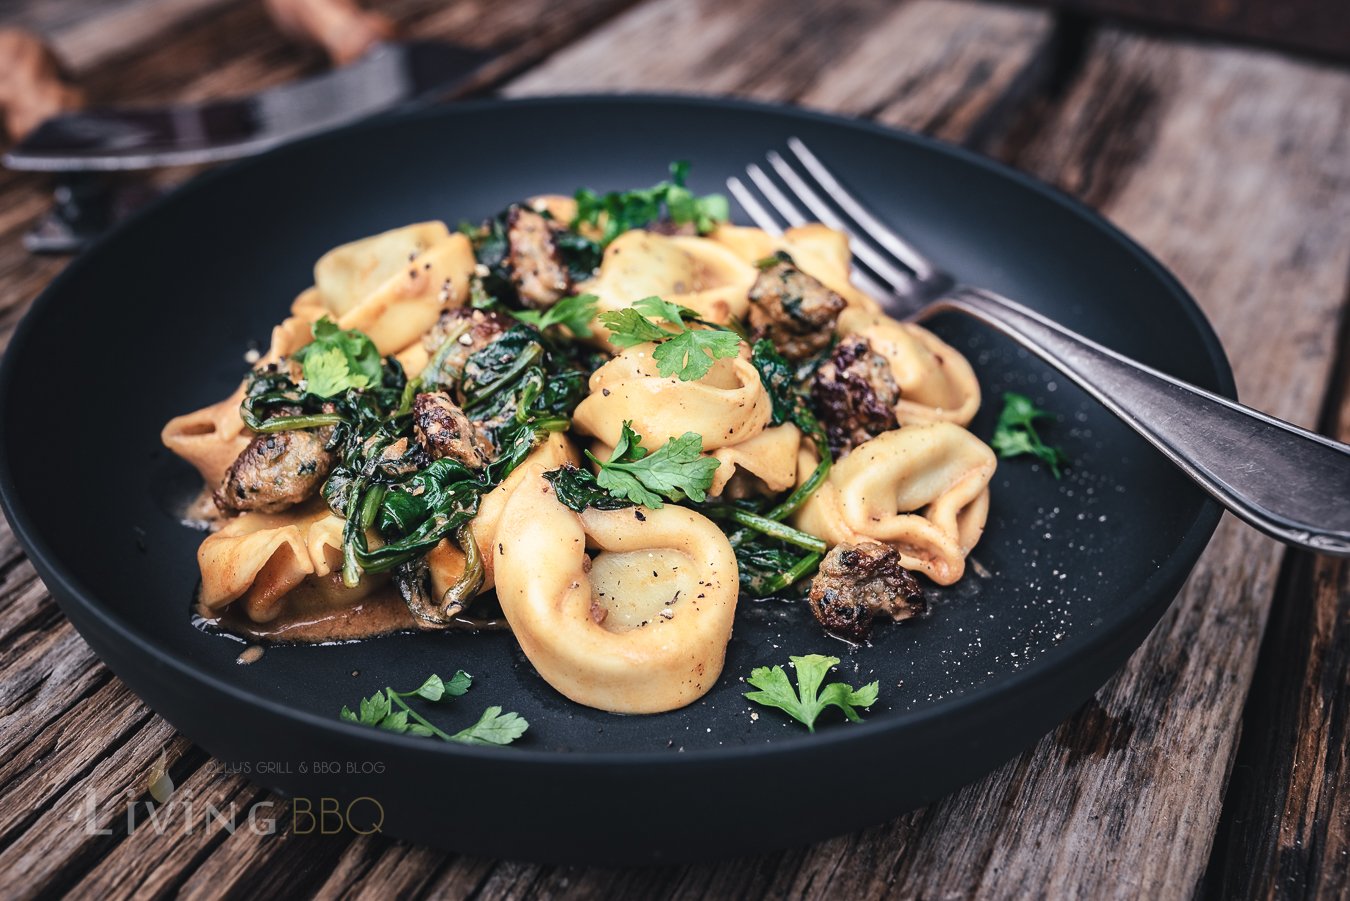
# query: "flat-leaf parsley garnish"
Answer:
x=338 y=360
x=389 y=710
x=672 y=472
x=574 y=312
x=1016 y=433
x=626 y=210
x=681 y=351
x=808 y=700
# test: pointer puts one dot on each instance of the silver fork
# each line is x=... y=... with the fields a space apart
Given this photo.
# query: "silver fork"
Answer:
x=1288 y=482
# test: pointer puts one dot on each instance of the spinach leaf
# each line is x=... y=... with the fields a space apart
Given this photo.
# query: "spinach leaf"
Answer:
x=577 y=489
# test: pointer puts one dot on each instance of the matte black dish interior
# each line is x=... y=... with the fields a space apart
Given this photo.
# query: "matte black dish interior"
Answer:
x=155 y=320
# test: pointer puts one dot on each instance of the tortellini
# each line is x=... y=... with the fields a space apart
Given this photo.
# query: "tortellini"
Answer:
x=818 y=250
x=923 y=489
x=392 y=286
x=762 y=464
x=936 y=382
x=728 y=407
x=398 y=312
x=694 y=272
x=641 y=628
x=348 y=274
x=260 y=558
x=446 y=561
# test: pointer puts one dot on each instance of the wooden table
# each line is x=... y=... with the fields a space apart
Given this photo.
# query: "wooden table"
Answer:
x=1214 y=764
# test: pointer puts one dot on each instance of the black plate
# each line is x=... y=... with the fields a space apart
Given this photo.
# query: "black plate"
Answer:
x=155 y=319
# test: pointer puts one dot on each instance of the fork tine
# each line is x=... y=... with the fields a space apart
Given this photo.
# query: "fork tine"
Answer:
x=878 y=230
x=766 y=220
x=786 y=208
x=901 y=280
x=758 y=215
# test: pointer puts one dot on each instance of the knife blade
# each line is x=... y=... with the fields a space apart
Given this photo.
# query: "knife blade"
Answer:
x=391 y=75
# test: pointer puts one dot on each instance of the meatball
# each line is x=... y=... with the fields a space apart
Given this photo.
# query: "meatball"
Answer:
x=532 y=258
x=855 y=394
x=471 y=330
x=793 y=310
x=444 y=431
x=858 y=582
x=277 y=470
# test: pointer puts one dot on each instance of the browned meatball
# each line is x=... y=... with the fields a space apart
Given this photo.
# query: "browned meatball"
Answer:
x=793 y=310
x=533 y=260
x=855 y=394
x=858 y=582
x=444 y=431
x=277 y=470
x=470 y=329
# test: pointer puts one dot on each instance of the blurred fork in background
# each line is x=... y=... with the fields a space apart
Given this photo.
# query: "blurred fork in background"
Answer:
x=44 y=113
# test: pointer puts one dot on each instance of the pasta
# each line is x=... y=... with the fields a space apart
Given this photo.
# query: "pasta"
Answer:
x=696 y=272
x=820 y=251
x=641 y=627
x=405 y=455
x=936 y=383
x=923 y=489
x=261 y=557
x=727 y=406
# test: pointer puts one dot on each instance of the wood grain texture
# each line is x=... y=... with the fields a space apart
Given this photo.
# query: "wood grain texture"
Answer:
x=1315 y=26
x=1286 y=826
x=1232 y=166
x=938 y=66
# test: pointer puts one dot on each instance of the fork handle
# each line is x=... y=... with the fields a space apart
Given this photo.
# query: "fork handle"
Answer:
x=1286 y=481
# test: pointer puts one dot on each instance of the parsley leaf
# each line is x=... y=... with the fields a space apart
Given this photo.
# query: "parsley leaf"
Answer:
x=1016 y=433
x=574 y=312
x=338 y=360
x=682 y=351
x=493 y=728
x=627 y=210
x=629 y=327
x=690 y=354
x=808 y=700
x=674 y=471
x=389 y=711
x=656 y=308
x=326 y=373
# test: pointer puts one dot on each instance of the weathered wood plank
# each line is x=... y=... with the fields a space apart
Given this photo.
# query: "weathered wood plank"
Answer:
x=46 y=672
x=74 y=828
x=154 y=859
x=62 y=751
x=87 y=40
x=938 y=66
x=375 y=868
x=286 y=863
x=1301 y=25
x=1286 y=823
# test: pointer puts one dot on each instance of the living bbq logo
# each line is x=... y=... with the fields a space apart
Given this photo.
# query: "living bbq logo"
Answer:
x=157 y=804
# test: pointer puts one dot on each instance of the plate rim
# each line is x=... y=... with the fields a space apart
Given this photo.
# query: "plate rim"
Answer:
x=1176 y=567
